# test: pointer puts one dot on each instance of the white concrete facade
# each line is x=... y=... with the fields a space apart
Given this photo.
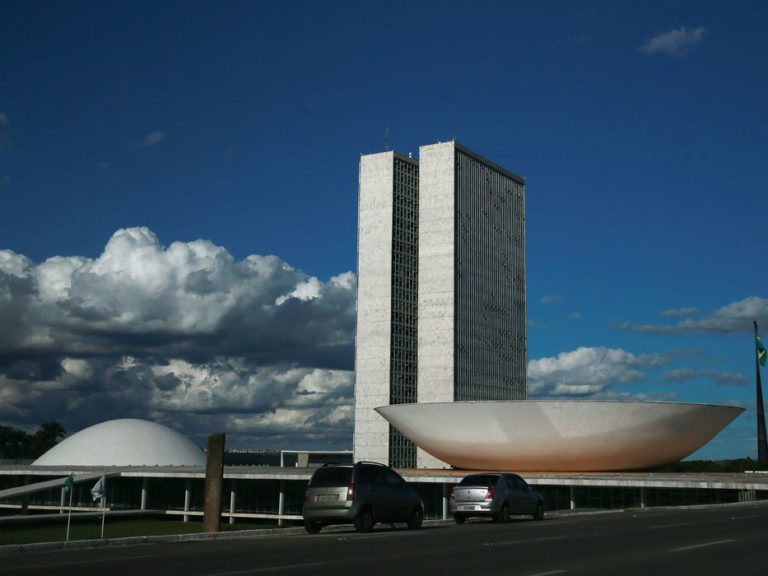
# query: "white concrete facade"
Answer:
x=560 y=435
x=374 y=305
x=436 y=280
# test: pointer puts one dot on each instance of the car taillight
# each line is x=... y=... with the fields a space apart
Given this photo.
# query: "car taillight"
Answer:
x=489 y=493
x=351 y=492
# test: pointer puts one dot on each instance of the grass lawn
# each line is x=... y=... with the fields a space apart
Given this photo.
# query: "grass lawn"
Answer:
x=91 y=530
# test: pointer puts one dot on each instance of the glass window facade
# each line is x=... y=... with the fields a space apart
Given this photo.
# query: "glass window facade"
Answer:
x=405 y=268
x=490 y=328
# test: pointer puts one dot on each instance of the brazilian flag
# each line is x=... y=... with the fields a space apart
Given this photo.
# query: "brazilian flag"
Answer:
x=761 y=351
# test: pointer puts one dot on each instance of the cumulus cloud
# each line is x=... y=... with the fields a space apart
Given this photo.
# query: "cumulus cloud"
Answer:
x=734 y=318
x=678 y=42
x=153 y=138
x=183 y=334
x=588 y=371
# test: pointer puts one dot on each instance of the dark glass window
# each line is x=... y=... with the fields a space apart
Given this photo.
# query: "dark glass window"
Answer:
x=331 y=476
x=482 y=480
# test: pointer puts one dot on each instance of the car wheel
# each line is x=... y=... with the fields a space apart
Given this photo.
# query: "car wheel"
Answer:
x=415 y=518
x=503 y=515
x=364 y=521
x=459 y=519
x=539 y=514
x=312 y=526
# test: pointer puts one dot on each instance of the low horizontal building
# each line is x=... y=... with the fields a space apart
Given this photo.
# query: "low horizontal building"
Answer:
x=275 y=495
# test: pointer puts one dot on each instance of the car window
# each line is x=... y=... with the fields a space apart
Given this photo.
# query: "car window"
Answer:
x=393 y=479
x=331 y=476
x=482 y=480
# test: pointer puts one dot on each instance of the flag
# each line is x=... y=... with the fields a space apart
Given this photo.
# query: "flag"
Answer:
x=99 y=489
x=761 y=351
x=69 y=482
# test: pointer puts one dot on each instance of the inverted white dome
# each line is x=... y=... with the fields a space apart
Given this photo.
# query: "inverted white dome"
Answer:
x=126 y=442
x=559 y=435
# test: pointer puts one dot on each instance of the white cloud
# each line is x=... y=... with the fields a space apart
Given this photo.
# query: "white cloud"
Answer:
x=680 y=312
x=677 y=42
x=550 y=298
x=733 y=318
x=588 y=371
x=719 y=378
x=184 y=334
x=153 y=138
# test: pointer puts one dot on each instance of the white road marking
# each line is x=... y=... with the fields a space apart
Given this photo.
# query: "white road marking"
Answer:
x=669 y=525
x=267 y=569
x=745 y=517
x=704 y=545
x=76 y=562
x=526 y=541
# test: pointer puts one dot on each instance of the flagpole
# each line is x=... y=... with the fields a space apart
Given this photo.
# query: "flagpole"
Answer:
x=103 y=513
x=69 y=516
x=762 y=443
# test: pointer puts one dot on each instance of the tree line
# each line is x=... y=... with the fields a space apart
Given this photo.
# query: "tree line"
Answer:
x=17 y=444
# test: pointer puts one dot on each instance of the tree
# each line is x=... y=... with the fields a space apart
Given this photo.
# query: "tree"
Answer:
x=14 y=444
x=46 y=437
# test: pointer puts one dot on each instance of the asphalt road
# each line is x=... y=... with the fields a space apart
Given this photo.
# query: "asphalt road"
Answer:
x=719 y=541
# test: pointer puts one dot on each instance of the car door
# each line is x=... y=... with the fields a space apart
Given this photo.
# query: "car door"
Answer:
x=400 y=494
x=528 y=499
x=514 y=496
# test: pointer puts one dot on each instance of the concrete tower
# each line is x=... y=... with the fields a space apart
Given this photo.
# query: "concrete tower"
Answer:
x=441 y=314
x=387 y=268
x=472 y=309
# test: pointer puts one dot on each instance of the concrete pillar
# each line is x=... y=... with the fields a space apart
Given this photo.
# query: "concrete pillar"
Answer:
x=214 y=478
x=62 y=500
x=281 y=504
x=187 y=498
x=573 y=498
x=144 y=489
x=642 y=497
x=232 y=503
x=445 y=501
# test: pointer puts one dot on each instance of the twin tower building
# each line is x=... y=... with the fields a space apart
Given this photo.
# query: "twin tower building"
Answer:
x=441 y=302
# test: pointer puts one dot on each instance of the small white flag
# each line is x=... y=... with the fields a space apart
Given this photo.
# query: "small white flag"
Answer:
x=99 y=489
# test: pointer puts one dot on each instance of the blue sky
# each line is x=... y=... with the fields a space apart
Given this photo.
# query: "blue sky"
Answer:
x=194 y=167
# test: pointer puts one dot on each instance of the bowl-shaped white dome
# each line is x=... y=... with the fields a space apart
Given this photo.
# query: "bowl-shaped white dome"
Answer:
x=559 y=435
x=126 y=442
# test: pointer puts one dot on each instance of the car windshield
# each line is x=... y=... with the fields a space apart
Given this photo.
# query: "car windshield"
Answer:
x=483 y=480
x=330 y=476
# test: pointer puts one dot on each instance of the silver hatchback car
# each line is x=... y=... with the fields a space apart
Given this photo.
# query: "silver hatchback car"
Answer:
x=363 y=494
x=497 y=496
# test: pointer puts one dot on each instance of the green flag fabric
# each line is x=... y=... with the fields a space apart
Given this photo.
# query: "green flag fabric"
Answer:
x=69 y=482
x=761 y=351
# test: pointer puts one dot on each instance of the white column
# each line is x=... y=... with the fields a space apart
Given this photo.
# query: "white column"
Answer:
x=573 y=498
x=281 y=503
x=187 y=498
x=62 y=500
x=445 y=501
x=144 y=485
x=642 y=497
x=232 y=503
